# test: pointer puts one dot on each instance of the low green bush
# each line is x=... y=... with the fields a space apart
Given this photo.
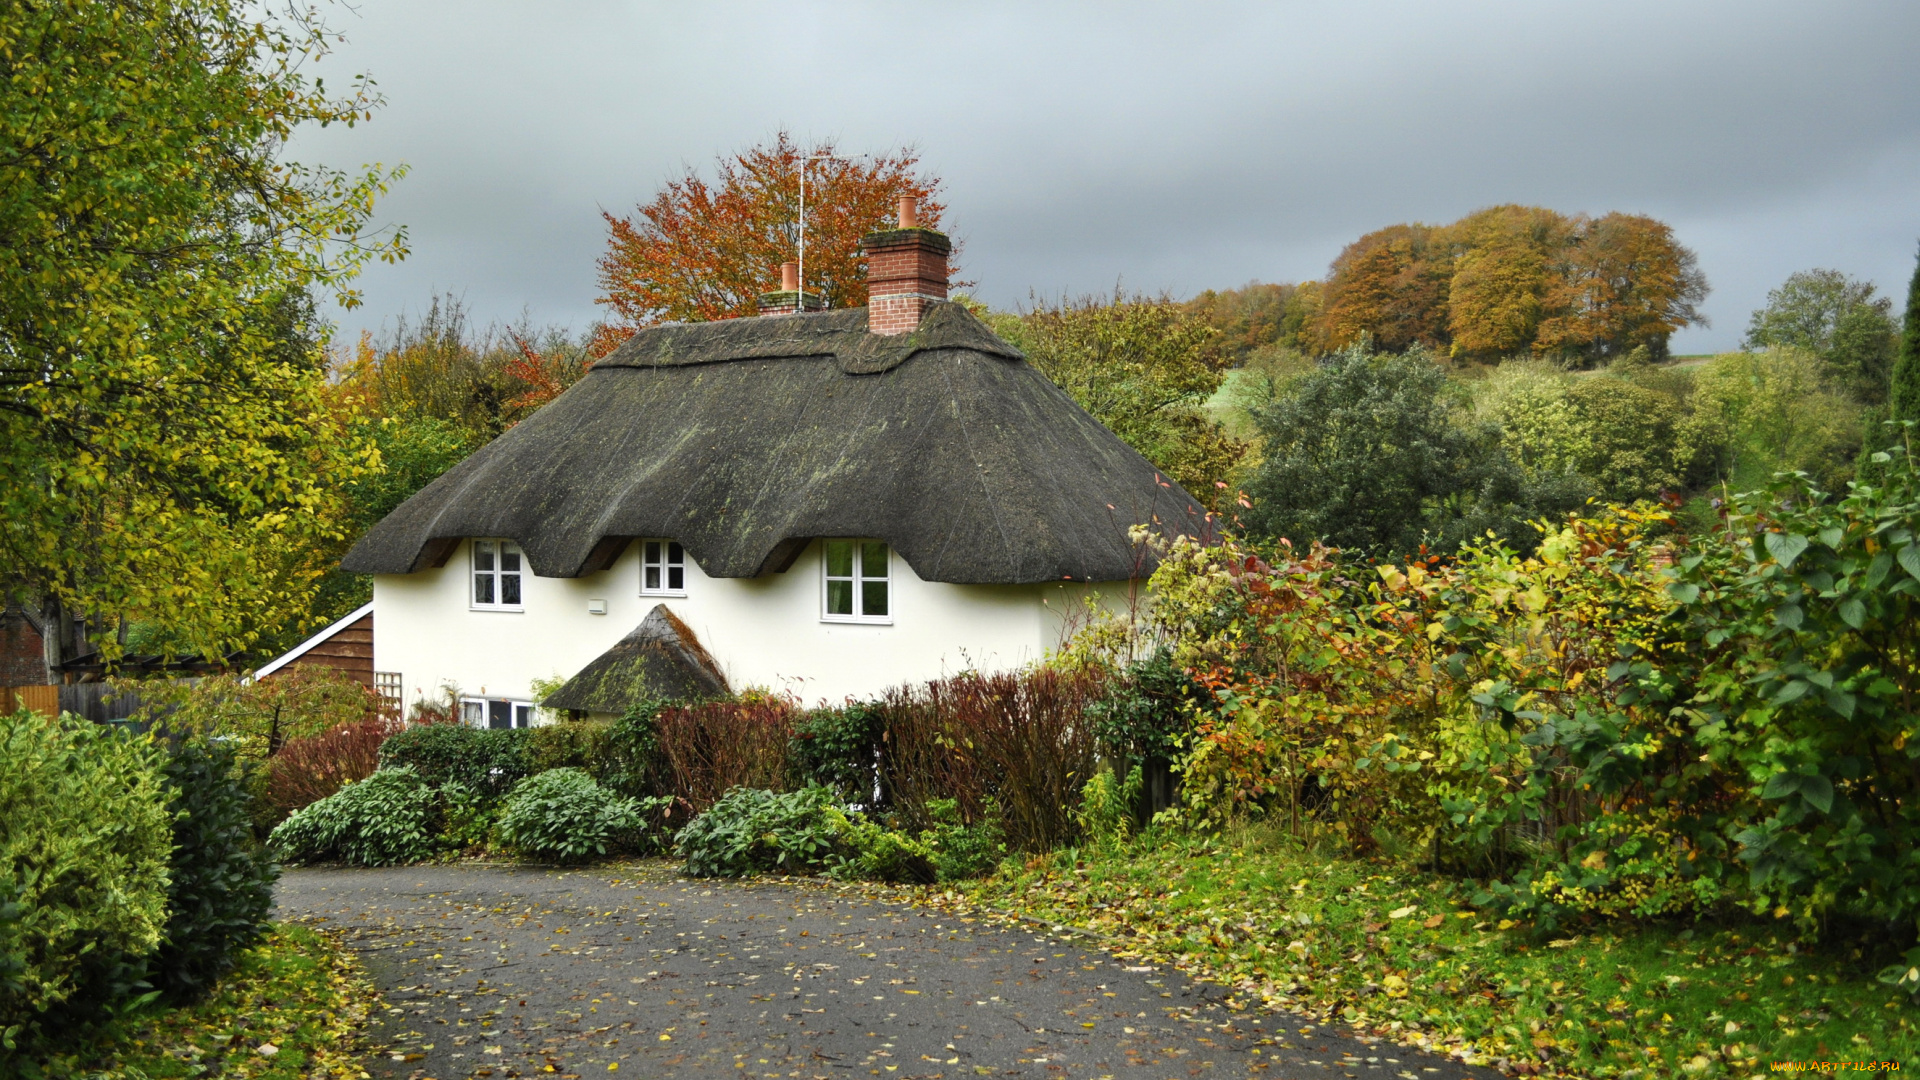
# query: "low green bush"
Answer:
x=569 y=744
x=487 y=761
x=752 y=829
x=221 y=886
x=882 y=854
x=960 y=851
x=562 y=816
x=467 y=820
x=838 y=749
x=387 y=819
x=83 y=869
x=806 y=831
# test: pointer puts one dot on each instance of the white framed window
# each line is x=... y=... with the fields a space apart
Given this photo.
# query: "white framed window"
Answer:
x=497 y=569
x=856 y=582
x=663 y=568
x=496 y=712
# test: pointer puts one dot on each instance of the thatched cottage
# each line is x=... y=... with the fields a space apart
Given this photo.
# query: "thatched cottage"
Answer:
x=826 y=503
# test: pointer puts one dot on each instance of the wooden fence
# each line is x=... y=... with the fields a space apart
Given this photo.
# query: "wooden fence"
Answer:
x=41 y=699
x=101 y=703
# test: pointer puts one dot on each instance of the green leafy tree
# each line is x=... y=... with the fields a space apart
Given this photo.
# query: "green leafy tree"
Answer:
x=1379 y=455
x=1905 y=395
x=414 y=451
x=166 y=449
x=1838 y=319
x=1144 y=368
x=1757 y=413
x=1630 y=437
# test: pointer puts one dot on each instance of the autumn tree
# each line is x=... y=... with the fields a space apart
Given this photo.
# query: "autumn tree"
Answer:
x=1624 y=283
x=1503 y=271
x=1259 y=315
x=167 y=450
x=1390 y=285
x=702 y=251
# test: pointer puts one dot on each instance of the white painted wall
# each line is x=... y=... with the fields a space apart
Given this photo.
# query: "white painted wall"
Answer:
x=764 y=631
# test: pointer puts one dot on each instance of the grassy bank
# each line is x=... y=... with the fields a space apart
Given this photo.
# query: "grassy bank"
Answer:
x=1401 y=953
x=289 y=1011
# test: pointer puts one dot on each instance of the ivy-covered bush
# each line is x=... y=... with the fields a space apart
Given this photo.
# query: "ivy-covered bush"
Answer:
x=84 y=853
x=562 y=816
x=838 y=749
x=631 y=762
x=1145 y=714
x=387 y=819
x=1106 y=806
x=752 y=829
x=487 y=761
x=220 y=888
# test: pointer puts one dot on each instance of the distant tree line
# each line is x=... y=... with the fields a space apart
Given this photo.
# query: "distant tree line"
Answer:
x=1389 y=450
x=1500 y=282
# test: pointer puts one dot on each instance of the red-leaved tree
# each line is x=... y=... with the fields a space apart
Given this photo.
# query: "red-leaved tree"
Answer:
x=702 y=251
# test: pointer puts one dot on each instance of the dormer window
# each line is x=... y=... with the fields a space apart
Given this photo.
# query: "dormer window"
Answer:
x=857 y=582
x=496 y=576
x=663 y=568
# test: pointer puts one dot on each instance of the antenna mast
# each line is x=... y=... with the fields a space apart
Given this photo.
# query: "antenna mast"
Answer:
x=805 y=162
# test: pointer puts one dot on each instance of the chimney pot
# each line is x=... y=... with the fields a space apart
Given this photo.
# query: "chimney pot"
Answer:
x=909 y=212
x=789 y=299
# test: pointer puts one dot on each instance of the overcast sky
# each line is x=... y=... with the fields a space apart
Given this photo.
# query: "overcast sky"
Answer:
x=1169 y=146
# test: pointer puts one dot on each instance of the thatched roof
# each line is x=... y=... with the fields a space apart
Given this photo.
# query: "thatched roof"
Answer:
x=747 y=438
x=660 y=658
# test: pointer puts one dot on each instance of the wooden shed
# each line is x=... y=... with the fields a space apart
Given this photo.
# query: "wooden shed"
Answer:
x=346 y=645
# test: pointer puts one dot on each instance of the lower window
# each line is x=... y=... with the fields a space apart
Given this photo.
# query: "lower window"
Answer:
x=496 y=712
x=857 y=581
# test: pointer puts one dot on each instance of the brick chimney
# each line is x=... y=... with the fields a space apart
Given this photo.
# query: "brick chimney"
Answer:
x=906 y=272
x=789 y=298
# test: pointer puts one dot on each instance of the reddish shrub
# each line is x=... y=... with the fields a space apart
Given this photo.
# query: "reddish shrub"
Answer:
x=710 y=748
x=1021 y=742
x=308 y=770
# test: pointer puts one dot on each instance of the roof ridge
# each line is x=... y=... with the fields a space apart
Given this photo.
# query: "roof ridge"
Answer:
x=841 y=333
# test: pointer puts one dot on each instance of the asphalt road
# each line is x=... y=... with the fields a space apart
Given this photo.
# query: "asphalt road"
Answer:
x=630 y=971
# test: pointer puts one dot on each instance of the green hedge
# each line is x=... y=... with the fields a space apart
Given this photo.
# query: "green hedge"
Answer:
x=221 y=886
x=489 y=762
x=83 y=867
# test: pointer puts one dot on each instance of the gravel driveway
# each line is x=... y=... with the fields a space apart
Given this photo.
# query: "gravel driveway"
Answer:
x=519 y=972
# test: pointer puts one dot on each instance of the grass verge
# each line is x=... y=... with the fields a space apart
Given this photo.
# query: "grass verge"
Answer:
x=1396 y=952
x=288 y=1010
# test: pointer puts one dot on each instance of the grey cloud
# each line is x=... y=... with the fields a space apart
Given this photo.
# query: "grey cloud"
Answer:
x=1179 y=147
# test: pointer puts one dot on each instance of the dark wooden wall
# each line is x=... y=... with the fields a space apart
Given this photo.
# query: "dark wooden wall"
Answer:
x=349 y=648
